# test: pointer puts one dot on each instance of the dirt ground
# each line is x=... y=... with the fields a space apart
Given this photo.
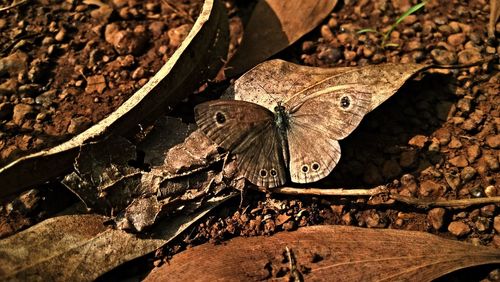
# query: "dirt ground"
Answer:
x=438 y=137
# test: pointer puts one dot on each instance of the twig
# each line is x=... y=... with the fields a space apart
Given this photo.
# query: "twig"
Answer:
x=331 y=192
x=382 y=189
x=445 y=203
x=13 y=5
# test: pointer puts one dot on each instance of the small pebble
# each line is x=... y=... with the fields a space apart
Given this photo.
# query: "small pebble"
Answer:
x=493 y=141
x=443 y=57
x=459 y=161
x=436 y=217
x=468 y=173
x=458 y=228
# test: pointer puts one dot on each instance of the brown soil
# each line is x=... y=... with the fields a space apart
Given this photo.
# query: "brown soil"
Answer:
x=65 y=65
x=438 y=138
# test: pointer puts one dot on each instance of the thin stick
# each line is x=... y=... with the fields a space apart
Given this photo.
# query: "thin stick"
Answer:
x=13 y=5
x=331 y=192
x=382 y=189
x=445 y=203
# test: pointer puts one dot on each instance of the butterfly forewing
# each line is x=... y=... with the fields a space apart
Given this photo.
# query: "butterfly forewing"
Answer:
x=318 y=118
x=247 y=130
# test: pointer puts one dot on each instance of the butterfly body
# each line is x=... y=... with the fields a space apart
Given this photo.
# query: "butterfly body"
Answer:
x=297 y=142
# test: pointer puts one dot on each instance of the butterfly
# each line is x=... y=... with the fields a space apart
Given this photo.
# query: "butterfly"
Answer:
x=297 y=142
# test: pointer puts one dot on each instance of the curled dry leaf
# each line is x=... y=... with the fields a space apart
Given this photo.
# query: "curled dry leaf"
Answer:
x=323 y=252
x=179 y=77
x=81 y=248
x=278 y=80
x=273 y=26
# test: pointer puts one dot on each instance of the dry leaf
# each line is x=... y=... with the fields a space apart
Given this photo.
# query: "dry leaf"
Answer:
x=179 y=77
x=273 y=26
x=277 y=80
x=81 y=248
x=323 y=252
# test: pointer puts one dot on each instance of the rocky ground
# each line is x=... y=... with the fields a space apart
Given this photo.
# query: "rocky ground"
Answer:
x=437 y=138
x=65 y=65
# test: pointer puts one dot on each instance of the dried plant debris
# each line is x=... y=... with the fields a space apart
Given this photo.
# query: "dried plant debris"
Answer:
x=81 y=247
x=71 y=64
x=273 y=26
x=319 y=253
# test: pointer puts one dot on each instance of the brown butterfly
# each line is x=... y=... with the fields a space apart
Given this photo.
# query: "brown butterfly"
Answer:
x=299 y=141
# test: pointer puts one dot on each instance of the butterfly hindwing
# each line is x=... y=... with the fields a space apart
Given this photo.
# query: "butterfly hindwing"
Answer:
x=246 y=130
x=318 y=118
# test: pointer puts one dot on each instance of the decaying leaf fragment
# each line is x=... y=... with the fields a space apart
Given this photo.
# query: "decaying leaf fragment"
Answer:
x=108 y=184
x=81 y=247
x=322 y=252
x=273 y=26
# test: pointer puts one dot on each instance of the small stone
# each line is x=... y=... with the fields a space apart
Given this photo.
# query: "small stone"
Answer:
x=493 y=141
x=456 y=39
x=473 y=152
x=96 y=83
x=443 y=57
x=408 y=182
x=14 y=63
x=418 y=141
x=372 y=220
x=103 y=13
x=178 y=34
x=468 y=173
x=458 y=228
x=391 y=169
x=409 y=20
x=455 y=143
x=492 y=161
x=21 y=112
x=496 y=224
x=408 y=158
x=431 y=188
x=482 y=224
x=29 y=200
x=330 y=55
x=414 y=46
x=464 y=105
x=46 y=98
x=459 y=161
x=443 y=135
x=138 y=73
x=349 y=55
x=436 y=217
x=326 y=33
x=6 y=110
x=469 y=56
x=490 y=191
x=125 y=41
x=488 y=210
x=78 y=124
x=368 y=51
x=156 y=28
x=378 y=58
x=434 y=146
x=61 y=35
x=453 y=180
x=344 y=38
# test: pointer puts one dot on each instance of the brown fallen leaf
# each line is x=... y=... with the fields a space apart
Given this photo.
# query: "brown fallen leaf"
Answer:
x=277 y=80
x=81 y=248
x=323 y=253
x=273 y=26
